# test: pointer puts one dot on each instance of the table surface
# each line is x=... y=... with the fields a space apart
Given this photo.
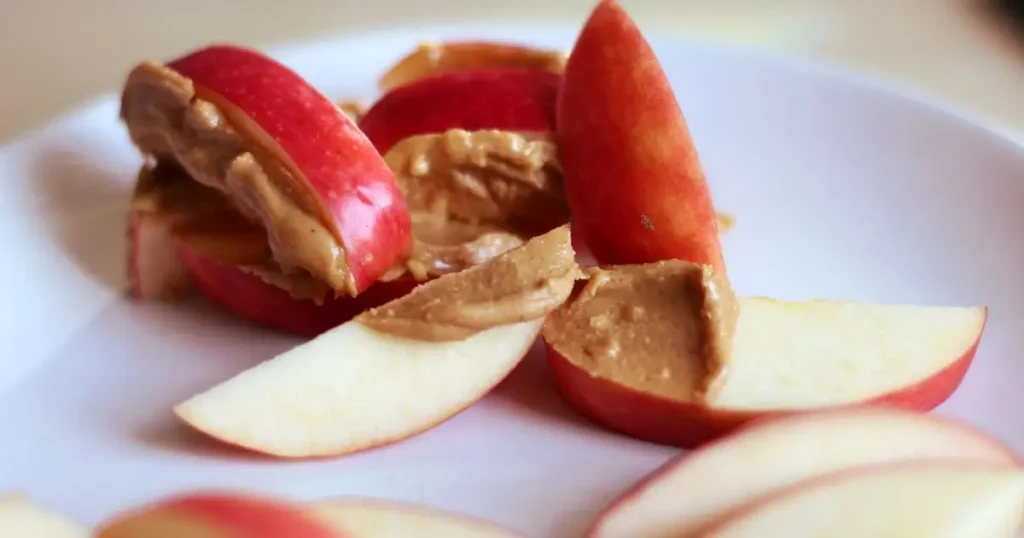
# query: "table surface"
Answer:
x=57 y=54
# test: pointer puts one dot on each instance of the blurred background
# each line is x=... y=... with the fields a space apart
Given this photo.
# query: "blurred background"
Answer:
x=55 y=54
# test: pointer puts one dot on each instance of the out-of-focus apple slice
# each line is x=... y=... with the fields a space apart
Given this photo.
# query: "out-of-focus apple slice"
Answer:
x=217 y=515
x=396 y=370
x=20 y=517
x=520 y=100
x=154 y=270
x=376 y=518
x=910 y=500
x=699 y=487
x=431 y=59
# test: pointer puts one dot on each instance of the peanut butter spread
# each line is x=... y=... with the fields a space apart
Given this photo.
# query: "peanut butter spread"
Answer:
x=208 y=223
x=491 y=177
x=169 y=121
x=442 y=246
x=166 y=189
x=663 y=328
x=522 y=284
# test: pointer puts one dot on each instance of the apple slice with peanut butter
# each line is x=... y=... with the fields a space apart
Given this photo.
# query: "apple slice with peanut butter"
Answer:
x=396 y=370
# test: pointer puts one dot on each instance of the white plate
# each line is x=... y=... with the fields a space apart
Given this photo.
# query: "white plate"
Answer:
x=840 y=189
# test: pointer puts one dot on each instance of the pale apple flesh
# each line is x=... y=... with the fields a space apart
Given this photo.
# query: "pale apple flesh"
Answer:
x=378 y=518
x=20 y=516
x=700 y=487
x=915 y=500
x=790 y=357
x=217 y=515
x=353 y=388
x=154 y=270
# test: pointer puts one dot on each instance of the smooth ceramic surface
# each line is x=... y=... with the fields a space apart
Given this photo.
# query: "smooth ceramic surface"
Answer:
x=839 y=190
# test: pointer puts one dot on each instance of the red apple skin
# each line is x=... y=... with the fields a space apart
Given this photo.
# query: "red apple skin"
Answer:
x=329 y=156
x=250 y=298
x=224 y=514
x=689 y=425
x=506 y=99
x=633 y=179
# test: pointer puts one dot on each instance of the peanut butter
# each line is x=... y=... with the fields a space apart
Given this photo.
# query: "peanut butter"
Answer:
x=662 y=328
x=169 y=121
x=442 y=246
x=522 y=284
x=483 y=177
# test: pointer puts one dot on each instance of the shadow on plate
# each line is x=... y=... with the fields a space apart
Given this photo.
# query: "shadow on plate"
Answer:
x=83 y=206
x=174 y=436
x=531 y=389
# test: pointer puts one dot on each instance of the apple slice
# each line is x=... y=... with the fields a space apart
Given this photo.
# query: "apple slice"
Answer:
x=430 y=59
x=520 y=100
x=377 y=518
x=21 y=517
x=936 y=500
x=285 y=155
x=633 y=179
x=217 y=515
x=785 y=357
x=399 y=369
x=154 y=271
x=699 y=487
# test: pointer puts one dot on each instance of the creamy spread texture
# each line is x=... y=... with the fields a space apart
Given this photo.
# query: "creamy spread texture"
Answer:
x=442 y=246
x=167 y=120
x=522 y=284
x=483 y=177
x=664 y=328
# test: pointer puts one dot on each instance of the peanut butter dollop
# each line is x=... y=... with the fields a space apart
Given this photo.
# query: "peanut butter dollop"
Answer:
x=661 y=328
x=522 y=284
x=509 y=179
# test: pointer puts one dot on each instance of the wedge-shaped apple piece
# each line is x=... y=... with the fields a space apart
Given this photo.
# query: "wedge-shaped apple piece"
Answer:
x=935 y=500
x=22 y=517
x=507 y=99
x=285 y=155
x=631 y=351
x=430 y=59
x=634 y=181
x=699 y=487
x=376 y=518
x=396 y=370
x=217 y=515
